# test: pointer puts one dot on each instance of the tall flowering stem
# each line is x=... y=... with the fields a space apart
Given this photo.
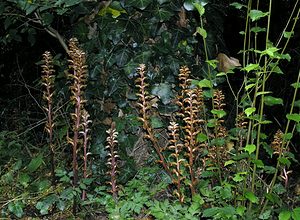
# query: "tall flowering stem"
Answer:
x=85 y=133
x=48 y=92
x=78 y=73
x=112 y=158
x=178 y=162
x=144 y=106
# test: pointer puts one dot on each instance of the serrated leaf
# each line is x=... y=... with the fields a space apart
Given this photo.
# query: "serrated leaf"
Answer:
x=293 y=117
x=257 y=14
x=250 y=148
x=251 y=197
x=249 y=111
x=270 y=101
x=284 y=215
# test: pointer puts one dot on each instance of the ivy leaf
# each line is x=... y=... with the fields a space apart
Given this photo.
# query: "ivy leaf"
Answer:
x=141 y=4
x=16 y=208
x=240 y=210
x=210 y=212
x=251 y=197
x=156 y=122
x=270 y=101
x=293 y=117
x=257 y=29
x=284 y=215
x=163 y=91
x=163 y=15
x=200 y=8
x=249 y=111
x=257 y=14
x=250 y=148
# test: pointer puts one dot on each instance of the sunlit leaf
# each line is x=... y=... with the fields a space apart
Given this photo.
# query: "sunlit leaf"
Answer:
x=288 y=34
x=249 y=111
x=257 y=14
x=250 y=148
x=251 y=197
x=237 y=5
x=205 y=83
x=293 y=117
x=251 y=67
x=202 y=32
x=284 y=215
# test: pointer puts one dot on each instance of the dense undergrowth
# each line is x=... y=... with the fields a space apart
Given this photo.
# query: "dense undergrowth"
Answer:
x=159 y=123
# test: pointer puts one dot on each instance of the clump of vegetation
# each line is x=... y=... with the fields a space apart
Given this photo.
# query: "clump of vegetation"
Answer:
x=192 y=136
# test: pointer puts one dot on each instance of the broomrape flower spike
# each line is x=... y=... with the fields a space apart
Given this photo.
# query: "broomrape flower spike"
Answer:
x=48 y=92
x=112 y=159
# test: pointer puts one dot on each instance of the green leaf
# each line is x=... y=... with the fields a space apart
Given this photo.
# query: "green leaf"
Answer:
x=16 y=208
x=284 y=215
x=249 y=86
x=270 y=51
x=205 y=83
x=250 y=148
x=296 y=85
x=228 y=162
x=258 y=163
x=219 y=113
x=156 y=122
x=210 y=212
x=237 y=5
x=240 y=210
x=164 y=92
x=202 y=32
x=251 y=66
x=35 y=163
x=296 y=213
x=24 y=178
x=270 y=101
x=293 y=117
x=257 y=14
x=257 y=29
x=262 y=93
x=251 y=197
x=265 y=215
x=201 y=137
x=238 y=177
x=163 y=15
x=284 y=161
x=200 y=8
x=249 y=111
x=141 y=4
x=288 y=34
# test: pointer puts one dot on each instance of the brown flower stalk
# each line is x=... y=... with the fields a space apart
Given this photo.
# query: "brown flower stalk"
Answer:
x=85 y=133
x=192 y=128
x=48 y=83
x=176 y=148
x=78 y=74
x=144 y=105
x=112 y=158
